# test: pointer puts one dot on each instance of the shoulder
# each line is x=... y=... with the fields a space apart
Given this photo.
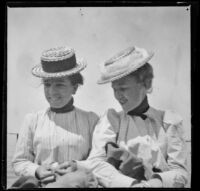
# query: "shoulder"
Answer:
x=32 y=116
x=30 y=121
x=173 y=125
x=112 y=113
x=112 y=116
x=172 y=122
x=172 y=117
x=109 y=120
x=165 y=116
x=156 y=114
x=87 y=114
x=168 y=119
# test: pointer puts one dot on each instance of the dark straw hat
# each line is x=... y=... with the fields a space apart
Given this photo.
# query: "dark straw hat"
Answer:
x=58 y=62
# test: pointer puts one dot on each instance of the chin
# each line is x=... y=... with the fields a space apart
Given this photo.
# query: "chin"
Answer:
x=125 y=109
x=53 y=106
x=56 y=106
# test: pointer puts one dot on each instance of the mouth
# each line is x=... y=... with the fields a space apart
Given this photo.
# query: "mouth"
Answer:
x=53 y=99
x=122 y=101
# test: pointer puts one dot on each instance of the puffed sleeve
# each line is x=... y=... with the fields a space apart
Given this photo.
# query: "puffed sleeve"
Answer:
x=93 y=119
x=23 y=159
x=177 y=175
x=105 y=131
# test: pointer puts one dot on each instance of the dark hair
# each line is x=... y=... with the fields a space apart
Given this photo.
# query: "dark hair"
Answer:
x=76 y=79
x=144 y=74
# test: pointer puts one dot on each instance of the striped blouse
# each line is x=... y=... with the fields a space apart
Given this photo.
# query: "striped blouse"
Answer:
x=47 y=137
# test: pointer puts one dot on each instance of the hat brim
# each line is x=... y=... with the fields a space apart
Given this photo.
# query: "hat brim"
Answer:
x=104 y=80
x=39 y=72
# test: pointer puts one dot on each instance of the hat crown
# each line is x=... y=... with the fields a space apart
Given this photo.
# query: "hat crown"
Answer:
x=123 y=63
x=58 y=62
x=57 y=53
x=120 y=55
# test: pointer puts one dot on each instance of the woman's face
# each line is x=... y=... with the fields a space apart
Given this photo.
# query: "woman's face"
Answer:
x=128 y=92
x=58 y=92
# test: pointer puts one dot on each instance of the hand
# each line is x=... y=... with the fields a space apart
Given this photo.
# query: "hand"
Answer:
x=76 y=179
x=142 y=184
x=66 y=167
x=152 y=183
x=48 y=179
x=43 y=172
x=138 y=185
x=155 y=182
x=133 y=166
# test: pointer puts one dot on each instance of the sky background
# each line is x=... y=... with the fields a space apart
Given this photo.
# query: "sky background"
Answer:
x=96 y=33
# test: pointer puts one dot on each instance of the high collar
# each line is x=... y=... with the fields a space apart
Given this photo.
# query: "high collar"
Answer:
x=141 y=109
x=67 y=108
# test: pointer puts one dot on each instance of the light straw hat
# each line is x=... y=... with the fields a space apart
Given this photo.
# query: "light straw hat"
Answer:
x=123 y=63
x=58 y=62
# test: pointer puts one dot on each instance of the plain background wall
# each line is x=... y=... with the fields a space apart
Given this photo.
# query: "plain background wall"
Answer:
x=96 y=33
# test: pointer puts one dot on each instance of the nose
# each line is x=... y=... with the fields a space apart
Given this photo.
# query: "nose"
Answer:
x=51 y=90
x=118 y=94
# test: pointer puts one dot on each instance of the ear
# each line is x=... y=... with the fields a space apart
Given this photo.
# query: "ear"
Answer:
x=75 y=89
x=148 y=84
x=149 y=90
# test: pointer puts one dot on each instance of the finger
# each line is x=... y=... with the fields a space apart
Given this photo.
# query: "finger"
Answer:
x=64 y=165
x=138 y=167
x=46 y=174
x=90 y=176
x=138 y=185
x=92 y=182
x=48 y=179
x=60 y=172
x=64 y=171
x=46 y=167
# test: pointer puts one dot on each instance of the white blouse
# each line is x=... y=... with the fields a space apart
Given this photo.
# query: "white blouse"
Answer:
x=158 y=140
x=47 y=137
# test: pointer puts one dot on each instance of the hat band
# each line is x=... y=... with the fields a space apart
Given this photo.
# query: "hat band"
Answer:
x=59 y=66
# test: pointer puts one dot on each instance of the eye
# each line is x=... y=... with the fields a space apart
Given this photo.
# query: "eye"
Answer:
x=114 y=90
x=46 y=84
x=60 y=85
x=122 y=89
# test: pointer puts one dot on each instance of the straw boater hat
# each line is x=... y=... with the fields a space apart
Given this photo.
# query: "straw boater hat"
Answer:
x=123 y=63
x=58 y=62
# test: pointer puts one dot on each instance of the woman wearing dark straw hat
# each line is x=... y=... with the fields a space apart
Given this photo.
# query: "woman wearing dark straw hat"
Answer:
x=139 y=146
x=50 y=139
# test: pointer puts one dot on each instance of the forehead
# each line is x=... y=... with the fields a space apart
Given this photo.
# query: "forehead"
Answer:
x=56 y=80
x=125 y=81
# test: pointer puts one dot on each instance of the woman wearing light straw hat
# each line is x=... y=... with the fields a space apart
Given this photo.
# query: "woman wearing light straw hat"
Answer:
x=50 y=139
x=139 y=146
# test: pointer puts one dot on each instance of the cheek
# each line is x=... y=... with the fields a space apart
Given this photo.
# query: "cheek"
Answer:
x=114 y=93
x=46 y=91
x=67 y=91
x=136 y=95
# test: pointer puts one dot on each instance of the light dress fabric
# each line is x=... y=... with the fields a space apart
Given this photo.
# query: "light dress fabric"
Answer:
x=47 y=137
x=158 y=140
